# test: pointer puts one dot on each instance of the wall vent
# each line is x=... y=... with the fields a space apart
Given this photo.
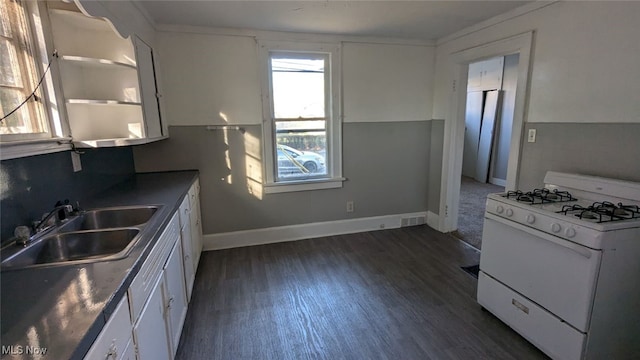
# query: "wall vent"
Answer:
x=413 y=221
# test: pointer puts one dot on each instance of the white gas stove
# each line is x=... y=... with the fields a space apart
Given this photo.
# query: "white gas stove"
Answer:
x=561 y=265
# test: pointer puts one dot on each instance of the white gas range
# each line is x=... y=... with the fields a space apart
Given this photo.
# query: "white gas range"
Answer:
x=561 y=265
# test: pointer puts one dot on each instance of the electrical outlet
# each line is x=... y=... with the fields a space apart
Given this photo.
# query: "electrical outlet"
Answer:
x=350 y=206
x=531 y=136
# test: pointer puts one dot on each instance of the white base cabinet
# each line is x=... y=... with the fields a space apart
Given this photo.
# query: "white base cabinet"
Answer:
x=150 y=331
x=158 y=326
x=191 y=235
x=175 y=297
x=196 y=223
x=114 y=342
x=187 y=247
x=148 y=321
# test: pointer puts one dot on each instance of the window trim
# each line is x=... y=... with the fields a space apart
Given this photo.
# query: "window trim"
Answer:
x=31 y=73
x=334 y=178
x=57 y=137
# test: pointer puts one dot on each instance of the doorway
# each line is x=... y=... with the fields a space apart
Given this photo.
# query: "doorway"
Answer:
x=489 y=110
x=451 y=179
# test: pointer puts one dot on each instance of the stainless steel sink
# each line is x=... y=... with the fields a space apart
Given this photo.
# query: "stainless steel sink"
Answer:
x=83 y=246
x=107 y=218
x=91 y=236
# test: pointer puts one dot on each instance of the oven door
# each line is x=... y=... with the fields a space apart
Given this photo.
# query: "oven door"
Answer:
x=556 y=274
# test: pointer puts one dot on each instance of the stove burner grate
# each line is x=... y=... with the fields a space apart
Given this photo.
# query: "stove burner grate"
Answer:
x=540 y=196
x=602 y=211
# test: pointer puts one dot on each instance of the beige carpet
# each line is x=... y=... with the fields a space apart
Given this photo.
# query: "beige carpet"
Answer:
x=473 y=196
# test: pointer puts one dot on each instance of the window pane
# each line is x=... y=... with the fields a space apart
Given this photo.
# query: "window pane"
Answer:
x=301 y=149
x=9 y=66
x=298 y=87
x=18 y=75
x=5 y=28
x=18 y=122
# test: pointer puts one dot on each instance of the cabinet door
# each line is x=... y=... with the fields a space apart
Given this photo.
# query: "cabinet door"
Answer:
x=129 y=352
x=148 y=89
x=116 y=334
x=175 y=295
x=187 y=256
x=196 y=224
x=151 y=331
x=486 y=74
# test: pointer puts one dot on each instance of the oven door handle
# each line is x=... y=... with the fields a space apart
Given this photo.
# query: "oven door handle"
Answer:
x=579 y=249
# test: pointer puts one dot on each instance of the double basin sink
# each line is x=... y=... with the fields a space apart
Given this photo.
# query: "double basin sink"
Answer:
x=94 y=235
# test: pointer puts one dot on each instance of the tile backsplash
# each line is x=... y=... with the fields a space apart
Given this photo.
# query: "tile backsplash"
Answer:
x=31 y=186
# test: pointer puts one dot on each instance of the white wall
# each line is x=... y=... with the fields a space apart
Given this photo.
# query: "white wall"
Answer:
x=209 y=77
x=383 y=82
x=585 y=61
x=387 y=92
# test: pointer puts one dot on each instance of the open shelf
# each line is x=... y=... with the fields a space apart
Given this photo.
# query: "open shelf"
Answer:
x=80 y=21
x=108 y=82
x=96 y=143
x=100 y=102
x=94 y=62
x=75 y=34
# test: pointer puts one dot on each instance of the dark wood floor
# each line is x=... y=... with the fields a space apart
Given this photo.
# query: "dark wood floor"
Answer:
x=387 y=294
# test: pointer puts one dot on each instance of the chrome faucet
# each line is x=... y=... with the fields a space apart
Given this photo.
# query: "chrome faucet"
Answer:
x=59 y=213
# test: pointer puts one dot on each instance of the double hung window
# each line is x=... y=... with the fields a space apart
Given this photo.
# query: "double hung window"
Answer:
x=302 y=121
x=19 y=77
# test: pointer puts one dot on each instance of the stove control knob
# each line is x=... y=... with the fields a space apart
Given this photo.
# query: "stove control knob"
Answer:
x=531 y=219
x=509 y=212
x=555 y=227
x=570 y=232
x=499 y=209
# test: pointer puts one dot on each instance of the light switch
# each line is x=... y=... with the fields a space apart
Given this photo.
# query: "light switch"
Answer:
x=532 y=136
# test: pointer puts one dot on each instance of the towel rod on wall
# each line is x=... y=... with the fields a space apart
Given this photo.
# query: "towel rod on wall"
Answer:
x=225 y=127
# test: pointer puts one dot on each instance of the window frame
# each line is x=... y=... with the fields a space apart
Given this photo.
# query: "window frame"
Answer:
x=333 y=116
x=56 y=136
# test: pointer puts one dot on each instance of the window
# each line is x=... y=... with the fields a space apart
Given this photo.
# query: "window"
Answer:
x=19 y=77
x=302 y=121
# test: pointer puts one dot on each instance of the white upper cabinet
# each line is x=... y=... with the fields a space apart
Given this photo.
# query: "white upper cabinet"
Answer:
x=486 y=75
x=108 y=82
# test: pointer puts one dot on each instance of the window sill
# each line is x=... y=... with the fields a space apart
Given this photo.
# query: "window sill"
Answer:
x=18 y=149
x=303 y=185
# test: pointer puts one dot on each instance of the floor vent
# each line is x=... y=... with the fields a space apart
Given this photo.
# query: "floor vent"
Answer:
x=413 y=221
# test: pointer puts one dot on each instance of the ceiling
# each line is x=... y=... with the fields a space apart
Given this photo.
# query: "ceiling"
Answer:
x=424 y=20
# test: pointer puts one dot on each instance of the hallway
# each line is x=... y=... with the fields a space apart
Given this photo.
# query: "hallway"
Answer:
x=473 y=197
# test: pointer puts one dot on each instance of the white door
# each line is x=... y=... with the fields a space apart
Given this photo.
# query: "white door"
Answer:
x=473 y=118
x=485 y=145
x=151 y=332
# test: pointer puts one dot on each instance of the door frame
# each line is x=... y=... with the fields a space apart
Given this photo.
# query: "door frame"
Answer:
x=454 y=126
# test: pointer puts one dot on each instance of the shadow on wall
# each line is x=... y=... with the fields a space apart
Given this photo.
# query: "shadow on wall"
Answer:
x=386 y=165
x=238 y=172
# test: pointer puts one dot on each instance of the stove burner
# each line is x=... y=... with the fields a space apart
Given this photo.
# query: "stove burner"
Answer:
x=540 y=196
x=602 y=211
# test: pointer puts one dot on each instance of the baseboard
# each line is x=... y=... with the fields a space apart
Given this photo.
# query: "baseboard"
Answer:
x=433 y=220
x=499 y=182
x=307 y=231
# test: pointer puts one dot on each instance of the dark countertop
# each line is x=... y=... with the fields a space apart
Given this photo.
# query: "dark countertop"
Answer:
x=64 y=308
